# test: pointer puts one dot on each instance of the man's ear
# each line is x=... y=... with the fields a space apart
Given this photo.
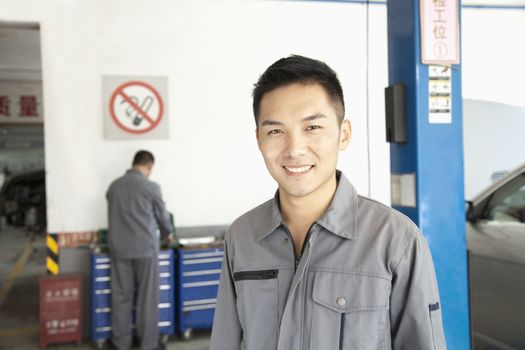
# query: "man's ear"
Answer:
x=257 y=137
x=345 y=135
x=149 y=168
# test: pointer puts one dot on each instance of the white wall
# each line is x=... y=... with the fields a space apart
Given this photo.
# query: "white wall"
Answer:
x=377 y=81
x=212 y=52
x=494 y=55
x=494 y=97
x=494 y=141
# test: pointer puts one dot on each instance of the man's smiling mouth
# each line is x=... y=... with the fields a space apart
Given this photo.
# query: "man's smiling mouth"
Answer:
x=298 y=169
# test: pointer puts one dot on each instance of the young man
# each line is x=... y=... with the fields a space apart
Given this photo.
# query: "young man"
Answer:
x=318 y=266
x=135 y=211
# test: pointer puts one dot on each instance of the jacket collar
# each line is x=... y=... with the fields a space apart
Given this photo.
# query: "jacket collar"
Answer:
x=340 y=218
x=134 y=172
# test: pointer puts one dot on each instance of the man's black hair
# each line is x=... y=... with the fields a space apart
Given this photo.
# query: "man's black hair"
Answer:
x=143 y=158
x=302 y=70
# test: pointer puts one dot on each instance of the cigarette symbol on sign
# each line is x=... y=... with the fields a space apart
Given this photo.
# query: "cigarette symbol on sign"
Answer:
x=133 y=113
x=136 y=107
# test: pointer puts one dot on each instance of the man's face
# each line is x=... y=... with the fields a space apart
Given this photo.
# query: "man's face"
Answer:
x=299 y=137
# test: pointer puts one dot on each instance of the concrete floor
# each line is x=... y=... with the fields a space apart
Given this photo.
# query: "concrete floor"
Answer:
x=19 y=328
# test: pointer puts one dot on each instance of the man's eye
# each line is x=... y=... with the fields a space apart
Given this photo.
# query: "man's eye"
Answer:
x=275 y=131
x=313 y=127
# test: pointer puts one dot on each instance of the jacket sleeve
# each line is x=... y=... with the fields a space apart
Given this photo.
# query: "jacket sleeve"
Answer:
x=415 y=309
x=227 y=332
x=159 y=210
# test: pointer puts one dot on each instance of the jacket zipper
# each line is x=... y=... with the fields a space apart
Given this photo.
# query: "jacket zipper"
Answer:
x=342 y=332
x=297 y=258
x=255 y=275
x=307 y=238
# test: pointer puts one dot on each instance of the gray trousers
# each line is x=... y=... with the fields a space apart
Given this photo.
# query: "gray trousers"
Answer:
x=128 y=275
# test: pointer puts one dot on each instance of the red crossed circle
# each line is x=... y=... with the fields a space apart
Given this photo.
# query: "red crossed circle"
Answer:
x=119 y=91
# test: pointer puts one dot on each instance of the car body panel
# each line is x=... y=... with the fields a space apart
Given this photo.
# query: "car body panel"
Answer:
x=496 y=244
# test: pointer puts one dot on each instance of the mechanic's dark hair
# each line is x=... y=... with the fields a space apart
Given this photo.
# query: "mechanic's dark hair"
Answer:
x=302 y=70
x=143 y=158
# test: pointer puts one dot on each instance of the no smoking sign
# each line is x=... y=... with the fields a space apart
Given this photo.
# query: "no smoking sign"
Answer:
x=135 y=107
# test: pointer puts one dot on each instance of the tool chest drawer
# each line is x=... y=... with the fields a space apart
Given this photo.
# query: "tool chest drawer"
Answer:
x=197 y=282
x=101 y=296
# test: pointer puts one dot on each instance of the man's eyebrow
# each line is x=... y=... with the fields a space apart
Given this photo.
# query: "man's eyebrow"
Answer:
x=306 y=119
x=314 y=117
x=271 y=122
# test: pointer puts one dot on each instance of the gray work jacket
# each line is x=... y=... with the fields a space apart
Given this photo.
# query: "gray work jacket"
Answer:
x=365 y=281
x=135 y=211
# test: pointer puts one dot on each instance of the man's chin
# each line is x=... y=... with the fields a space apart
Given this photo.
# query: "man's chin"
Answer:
x=294 y=192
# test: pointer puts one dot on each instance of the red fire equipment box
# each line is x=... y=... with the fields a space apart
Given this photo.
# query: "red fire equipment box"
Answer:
x=60 y=309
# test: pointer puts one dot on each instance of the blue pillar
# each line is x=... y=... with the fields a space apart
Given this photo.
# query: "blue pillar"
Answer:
x=434 y=153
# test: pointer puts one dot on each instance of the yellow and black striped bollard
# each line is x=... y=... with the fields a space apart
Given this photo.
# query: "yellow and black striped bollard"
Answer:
x=52 y=254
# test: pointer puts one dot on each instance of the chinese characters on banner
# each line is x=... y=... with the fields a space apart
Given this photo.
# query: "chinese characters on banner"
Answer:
x=21 y=102
x=439 y=31
x=75 y=239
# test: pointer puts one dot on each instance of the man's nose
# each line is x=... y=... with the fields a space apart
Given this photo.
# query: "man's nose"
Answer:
x=296 y=145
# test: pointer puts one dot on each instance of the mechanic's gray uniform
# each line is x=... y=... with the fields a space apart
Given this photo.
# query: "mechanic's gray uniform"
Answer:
x=365 y=280
x=136 y=210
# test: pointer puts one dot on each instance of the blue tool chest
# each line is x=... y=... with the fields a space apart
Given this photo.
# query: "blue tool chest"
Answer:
x=101 y=296
x=197 y=282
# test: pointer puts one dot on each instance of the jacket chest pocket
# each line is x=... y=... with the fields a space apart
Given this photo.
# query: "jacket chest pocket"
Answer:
x=257 y=305
x=350 y=312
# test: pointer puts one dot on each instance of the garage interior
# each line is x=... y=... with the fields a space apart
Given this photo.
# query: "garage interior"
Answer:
x=60 y=62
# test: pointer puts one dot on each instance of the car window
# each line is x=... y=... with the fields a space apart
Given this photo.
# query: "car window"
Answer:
x=508 y=202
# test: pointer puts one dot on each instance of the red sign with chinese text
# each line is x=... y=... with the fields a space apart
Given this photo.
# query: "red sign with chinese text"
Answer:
x=21 y=102
x=439 y=31
x=60 y=309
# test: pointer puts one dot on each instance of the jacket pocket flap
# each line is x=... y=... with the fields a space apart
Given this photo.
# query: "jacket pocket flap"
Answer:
x=346 y=292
